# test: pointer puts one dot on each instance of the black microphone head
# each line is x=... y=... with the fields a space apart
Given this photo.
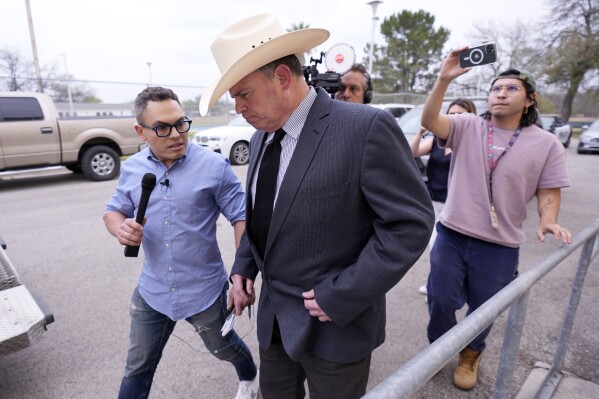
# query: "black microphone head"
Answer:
x=148 y=181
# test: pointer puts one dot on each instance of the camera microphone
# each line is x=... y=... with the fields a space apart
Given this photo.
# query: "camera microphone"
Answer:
x=165 y=183
x=148 y=182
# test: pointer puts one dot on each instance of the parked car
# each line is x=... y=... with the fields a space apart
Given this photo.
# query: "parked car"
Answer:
x=232 y=140
x=580 y=124
x=559 y=127
x=589 y=139
x=396 y=110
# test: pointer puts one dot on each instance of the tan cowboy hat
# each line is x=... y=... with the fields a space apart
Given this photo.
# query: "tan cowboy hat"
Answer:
x=250 y=44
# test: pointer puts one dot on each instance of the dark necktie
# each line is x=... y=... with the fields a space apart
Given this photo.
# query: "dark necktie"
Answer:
x=266 y=187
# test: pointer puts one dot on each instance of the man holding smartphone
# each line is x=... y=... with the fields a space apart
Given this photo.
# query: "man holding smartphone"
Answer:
x=500 y=161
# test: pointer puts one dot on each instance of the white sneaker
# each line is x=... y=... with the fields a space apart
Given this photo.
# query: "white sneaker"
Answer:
x=249 y=389
x=422 y=290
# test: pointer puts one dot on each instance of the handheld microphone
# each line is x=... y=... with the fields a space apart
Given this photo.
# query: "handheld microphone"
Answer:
x=148 y=182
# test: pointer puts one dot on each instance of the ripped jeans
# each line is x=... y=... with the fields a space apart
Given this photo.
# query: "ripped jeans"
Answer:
x=150 y=331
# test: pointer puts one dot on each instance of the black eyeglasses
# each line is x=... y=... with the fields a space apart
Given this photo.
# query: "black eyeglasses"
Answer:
x=182 y=127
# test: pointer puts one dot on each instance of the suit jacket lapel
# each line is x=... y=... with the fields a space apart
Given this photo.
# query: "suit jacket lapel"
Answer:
x=309 y=140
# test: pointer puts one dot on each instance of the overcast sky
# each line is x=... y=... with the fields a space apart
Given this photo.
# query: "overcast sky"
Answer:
x=113 y=40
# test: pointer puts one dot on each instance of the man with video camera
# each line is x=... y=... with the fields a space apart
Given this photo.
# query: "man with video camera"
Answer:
x=356 y=85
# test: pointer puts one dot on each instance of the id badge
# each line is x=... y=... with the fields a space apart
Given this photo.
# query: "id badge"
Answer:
x=493 y=215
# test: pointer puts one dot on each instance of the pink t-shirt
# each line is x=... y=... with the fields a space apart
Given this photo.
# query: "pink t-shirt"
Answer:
x=537 y=160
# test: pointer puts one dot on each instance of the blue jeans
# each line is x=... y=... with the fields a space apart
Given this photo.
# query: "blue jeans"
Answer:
x=465 y=270
x=150 y=331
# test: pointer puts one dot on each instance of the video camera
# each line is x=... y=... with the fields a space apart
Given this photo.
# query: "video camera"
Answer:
x=330 y=81
x=337 y=60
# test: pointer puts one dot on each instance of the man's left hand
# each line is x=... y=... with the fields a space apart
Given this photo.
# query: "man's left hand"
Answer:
x=242 y=294
x=312 y=306
x=557 y=231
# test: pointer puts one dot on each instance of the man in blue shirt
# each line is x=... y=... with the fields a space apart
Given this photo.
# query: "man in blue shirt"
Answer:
x=183 y=276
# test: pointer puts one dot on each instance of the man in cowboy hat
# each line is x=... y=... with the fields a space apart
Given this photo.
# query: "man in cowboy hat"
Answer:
x=351 y=214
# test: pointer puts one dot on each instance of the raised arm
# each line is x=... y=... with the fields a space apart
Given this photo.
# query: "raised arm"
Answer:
x=421 y=147
x=432 y=119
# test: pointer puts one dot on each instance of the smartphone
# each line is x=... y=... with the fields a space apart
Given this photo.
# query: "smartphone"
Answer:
x=480 y=55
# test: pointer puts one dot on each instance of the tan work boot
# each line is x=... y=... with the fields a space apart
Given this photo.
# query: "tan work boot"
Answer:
x=466 y=375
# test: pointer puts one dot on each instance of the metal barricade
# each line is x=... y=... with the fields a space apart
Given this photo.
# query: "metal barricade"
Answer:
x=408 y=379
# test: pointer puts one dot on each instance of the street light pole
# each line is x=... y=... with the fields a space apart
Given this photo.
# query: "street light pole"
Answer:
x=374 y=4
x=150 y=73
x=34 y=47
x=66 y=72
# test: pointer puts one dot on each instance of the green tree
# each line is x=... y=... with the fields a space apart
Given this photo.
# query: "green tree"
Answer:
x=297 y=26
x=573 y=44
x=413 y=54
x=80 y=92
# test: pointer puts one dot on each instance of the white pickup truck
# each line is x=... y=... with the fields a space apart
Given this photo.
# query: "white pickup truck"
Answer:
x=23 y=314
x=32 y=135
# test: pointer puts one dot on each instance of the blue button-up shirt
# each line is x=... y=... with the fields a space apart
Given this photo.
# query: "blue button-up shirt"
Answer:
x=183 y=271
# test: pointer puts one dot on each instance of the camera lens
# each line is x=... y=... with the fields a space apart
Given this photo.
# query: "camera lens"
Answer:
x=489 y=48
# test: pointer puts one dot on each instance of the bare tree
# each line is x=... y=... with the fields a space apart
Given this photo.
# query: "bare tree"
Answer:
x=517 y=47
x=573 y=43
x=16 y=74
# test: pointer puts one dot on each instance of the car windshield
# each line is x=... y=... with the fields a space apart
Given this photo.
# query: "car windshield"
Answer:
x=410 y=121
x=239 y=121
x=595 y=125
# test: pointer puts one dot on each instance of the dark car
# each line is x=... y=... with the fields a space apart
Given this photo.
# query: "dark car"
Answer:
x=559 y=127
x=589 y=139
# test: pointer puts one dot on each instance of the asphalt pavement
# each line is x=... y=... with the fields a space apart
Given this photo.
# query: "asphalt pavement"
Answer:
x=52 y=223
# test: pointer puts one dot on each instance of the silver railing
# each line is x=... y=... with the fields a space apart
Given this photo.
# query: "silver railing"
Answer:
x=407 y=380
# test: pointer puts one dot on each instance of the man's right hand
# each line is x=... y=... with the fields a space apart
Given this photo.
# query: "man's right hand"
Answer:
x=432 y=119
x=242 y=294
x=451 y=68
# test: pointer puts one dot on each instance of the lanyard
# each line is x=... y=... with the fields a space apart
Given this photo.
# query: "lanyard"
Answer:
x=493 y=163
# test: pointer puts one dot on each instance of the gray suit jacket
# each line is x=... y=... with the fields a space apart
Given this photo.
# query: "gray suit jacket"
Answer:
x=351 y=217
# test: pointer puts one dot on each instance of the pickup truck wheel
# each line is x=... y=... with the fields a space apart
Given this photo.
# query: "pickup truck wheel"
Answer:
x=240 y=153
x=100 y=163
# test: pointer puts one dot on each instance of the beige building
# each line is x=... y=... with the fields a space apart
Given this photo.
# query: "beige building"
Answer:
x=95 y=110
